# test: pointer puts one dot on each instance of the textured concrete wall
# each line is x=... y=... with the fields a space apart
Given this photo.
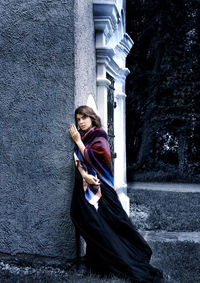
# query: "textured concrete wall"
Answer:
x=85 y=56
x=36 y=106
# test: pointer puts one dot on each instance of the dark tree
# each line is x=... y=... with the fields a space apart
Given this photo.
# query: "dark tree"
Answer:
x=163 y=90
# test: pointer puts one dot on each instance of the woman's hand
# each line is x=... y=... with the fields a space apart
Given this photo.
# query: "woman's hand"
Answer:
x=77 y=138
x=92 y=180
x=74 y=133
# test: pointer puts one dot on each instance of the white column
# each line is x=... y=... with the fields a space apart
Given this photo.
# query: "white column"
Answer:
x=102 y=92
x=112 y=47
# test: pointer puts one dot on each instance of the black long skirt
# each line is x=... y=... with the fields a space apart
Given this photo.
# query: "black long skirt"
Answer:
x=113 y=244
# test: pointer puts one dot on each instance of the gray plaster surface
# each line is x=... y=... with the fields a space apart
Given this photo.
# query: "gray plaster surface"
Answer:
x=36 y=108
x=85 y=53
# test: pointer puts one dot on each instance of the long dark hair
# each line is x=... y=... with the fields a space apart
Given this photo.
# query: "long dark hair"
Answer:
x=88 y=112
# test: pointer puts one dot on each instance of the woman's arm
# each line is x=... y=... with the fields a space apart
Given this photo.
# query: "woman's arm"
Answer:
x=81 y=146
x=90 y=179
x=77 y=138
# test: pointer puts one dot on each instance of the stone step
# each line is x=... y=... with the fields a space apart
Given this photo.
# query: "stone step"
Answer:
x=169 y=187
x=168 y=216
x=170 y=207
x=177 y=254
x=164 y=236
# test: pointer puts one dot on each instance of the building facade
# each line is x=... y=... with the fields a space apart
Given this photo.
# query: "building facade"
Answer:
x=54 y=57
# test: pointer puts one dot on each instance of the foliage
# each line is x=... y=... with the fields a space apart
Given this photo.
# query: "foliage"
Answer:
x=163 y=88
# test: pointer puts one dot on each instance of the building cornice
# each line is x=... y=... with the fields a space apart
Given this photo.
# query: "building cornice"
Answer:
x=125 y=44
x=105 y=56
x=103 y=8
x=106 y=17
x=103 y=82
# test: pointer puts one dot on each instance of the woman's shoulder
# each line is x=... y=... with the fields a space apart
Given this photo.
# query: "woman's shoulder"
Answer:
x=101 y=132
x=94 y=133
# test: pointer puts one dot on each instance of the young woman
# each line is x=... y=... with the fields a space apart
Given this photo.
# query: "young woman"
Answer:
x=113 y=244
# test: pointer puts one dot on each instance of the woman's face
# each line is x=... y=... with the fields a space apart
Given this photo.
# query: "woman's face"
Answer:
x=84 y=122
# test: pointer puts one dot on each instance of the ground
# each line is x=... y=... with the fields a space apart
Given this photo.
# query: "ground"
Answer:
x=168 y=217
